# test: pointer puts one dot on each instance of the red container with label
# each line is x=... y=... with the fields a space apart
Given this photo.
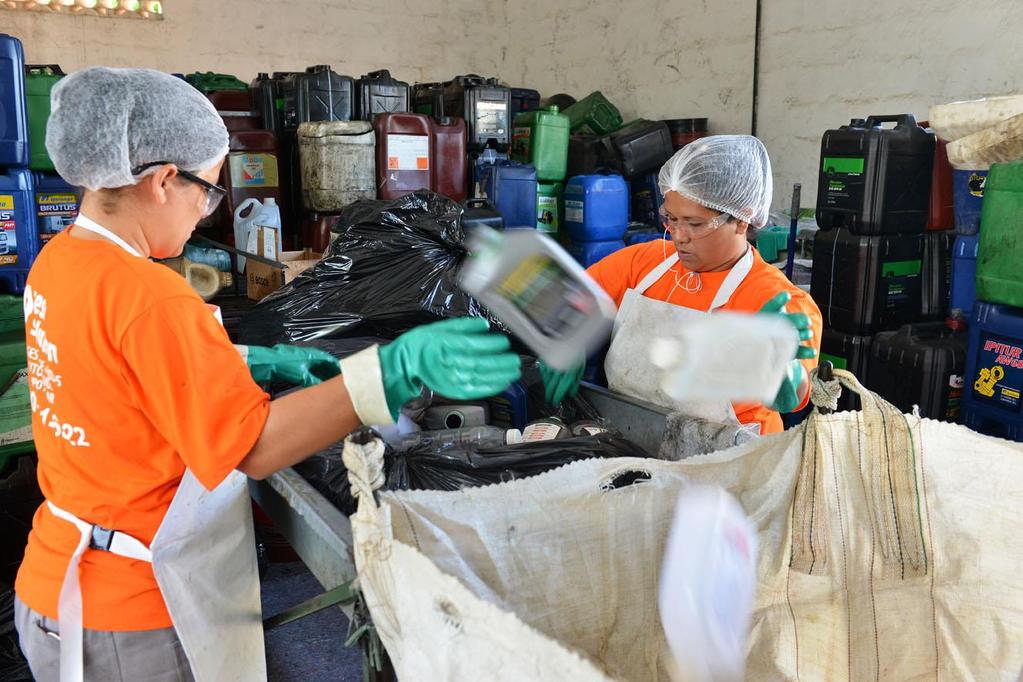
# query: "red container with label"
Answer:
x=404 y=162
x=450 y=158
x=250 y=171
x=942 y=212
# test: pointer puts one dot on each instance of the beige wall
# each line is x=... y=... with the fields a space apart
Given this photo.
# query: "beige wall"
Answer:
x=822 y=61
x=417 y=40
x=653 y=58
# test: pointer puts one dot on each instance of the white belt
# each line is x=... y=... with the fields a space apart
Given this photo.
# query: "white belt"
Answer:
x=70 y=605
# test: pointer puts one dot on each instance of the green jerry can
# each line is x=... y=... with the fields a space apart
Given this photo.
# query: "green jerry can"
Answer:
x=1000 y=251
x=208 y=82
x=541 y=138
x=39 y=81
x=548 y=207
x=594 y=114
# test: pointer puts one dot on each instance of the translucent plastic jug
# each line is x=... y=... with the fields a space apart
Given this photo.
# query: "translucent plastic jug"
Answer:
x=541 y=138
x=338 y=163
x=1000 y=254
x=253 y=213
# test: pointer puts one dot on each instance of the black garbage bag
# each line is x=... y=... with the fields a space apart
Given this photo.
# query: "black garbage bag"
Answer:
x=393 y=268
x=13 y=666
x=457 y=467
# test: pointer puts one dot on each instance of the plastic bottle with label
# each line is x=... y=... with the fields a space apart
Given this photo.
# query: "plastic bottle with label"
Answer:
x=252 y=171
x=251 y=214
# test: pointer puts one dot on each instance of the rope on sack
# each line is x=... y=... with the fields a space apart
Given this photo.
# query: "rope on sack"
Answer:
x=363 y=456
x=824 y=390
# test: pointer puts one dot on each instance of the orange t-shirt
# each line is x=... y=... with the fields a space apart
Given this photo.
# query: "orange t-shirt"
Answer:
x=132 y=380
x=625 y=269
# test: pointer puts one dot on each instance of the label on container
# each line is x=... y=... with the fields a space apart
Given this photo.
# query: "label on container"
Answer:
x=520 y=141
x=999 y=379
x=56 y=212
x=956 y=382
x=547 y=214
x=8 y=231
x=573 y=211
x=253 y=170
x=844 y=186
x=553 y=301
x=408 y=152
x=899 y=282
x=491 y=118
x=976 y=185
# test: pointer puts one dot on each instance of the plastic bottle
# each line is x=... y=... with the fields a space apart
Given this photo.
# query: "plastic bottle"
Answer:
x=708 y=583
x=550 y=428
x=260 y=214
x=476 y=436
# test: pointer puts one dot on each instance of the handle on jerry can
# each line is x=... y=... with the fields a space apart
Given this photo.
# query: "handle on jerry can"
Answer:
x=382 y=74
x=54 y=69
x=477 y=203
x=899 y=119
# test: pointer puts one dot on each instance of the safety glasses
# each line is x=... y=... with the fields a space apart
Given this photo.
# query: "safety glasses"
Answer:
x=696 y=228
x=214 y=193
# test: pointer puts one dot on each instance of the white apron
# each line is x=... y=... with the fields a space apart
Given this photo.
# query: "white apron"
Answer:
x=204 y=559
x=640 y=320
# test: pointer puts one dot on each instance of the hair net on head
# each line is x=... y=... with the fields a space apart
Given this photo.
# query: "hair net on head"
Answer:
x=104 y=122
x=727 y=173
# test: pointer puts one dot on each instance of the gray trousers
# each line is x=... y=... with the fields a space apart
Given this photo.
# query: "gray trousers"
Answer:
x=144 y=655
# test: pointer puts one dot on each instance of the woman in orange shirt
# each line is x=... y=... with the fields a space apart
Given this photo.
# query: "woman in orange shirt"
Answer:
x=715 y=190
x=141 y=563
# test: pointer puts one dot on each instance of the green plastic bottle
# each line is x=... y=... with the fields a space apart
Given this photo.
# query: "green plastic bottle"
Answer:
x=39 y=81
x=208 y=82
x=541 y=138
x=1000 y=253
x=548 y=207
x=594 y=114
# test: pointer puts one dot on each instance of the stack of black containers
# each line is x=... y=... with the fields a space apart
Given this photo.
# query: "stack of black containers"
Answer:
x=880 y=277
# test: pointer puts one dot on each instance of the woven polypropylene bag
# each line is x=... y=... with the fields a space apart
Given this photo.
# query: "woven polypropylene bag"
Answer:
x=889 y=550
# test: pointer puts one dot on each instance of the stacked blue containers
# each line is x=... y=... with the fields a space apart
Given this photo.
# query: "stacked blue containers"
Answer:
x=964 y=273
x=512 y=189
x=19 y=241
x=994 y=372
x=596 y=216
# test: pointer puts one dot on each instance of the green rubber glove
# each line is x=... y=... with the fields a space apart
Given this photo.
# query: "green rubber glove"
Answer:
x=788 y=398
x=458 y=359
x=295 y=365
x=558 y=385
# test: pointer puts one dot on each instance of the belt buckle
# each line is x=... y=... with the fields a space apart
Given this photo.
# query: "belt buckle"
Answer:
x=101 y=538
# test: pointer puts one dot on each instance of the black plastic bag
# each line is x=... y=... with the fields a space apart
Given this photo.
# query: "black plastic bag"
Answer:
x=393 y=268
x=457 y=467
x=13 y=666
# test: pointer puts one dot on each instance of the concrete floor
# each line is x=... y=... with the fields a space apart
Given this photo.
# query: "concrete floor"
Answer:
x=311 y=649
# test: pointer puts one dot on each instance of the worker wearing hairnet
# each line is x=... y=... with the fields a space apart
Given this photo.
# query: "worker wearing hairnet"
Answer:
x=141 y=563
x=715 y=190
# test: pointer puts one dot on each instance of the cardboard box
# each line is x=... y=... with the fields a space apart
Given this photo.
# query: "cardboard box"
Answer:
x=263 y=279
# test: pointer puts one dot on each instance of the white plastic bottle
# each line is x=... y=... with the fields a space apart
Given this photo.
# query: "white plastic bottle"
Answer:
x=260 y=214
x=708 y=585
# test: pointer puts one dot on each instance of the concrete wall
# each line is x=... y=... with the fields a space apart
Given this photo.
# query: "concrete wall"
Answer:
x=826 y=61
x=416 y=40
x=822 y=61
x=653 y=58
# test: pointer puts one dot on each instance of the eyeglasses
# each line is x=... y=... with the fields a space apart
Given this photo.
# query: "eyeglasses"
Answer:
x=214 y=193
x=696 y=228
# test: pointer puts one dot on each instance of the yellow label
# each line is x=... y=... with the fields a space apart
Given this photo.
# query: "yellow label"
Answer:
x=1009 y=393
x=6 y=202
x=524 y=276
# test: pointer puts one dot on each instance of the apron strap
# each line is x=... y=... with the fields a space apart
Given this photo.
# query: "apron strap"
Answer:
x=735 y=277
x=69 y=606
x=91 y=225
x=657 y=273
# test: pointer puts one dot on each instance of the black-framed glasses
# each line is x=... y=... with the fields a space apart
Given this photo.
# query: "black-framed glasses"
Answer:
x=214 y=193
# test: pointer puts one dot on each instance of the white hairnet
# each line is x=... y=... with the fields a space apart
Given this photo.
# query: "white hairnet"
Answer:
x=104 y=122
x=727 y=173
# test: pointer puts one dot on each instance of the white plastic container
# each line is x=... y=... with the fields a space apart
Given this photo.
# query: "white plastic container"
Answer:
x=338 y=161
x=708 y=585
x=540 y=292
x=726 y=356
x=956 y=120
x=252 y=213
